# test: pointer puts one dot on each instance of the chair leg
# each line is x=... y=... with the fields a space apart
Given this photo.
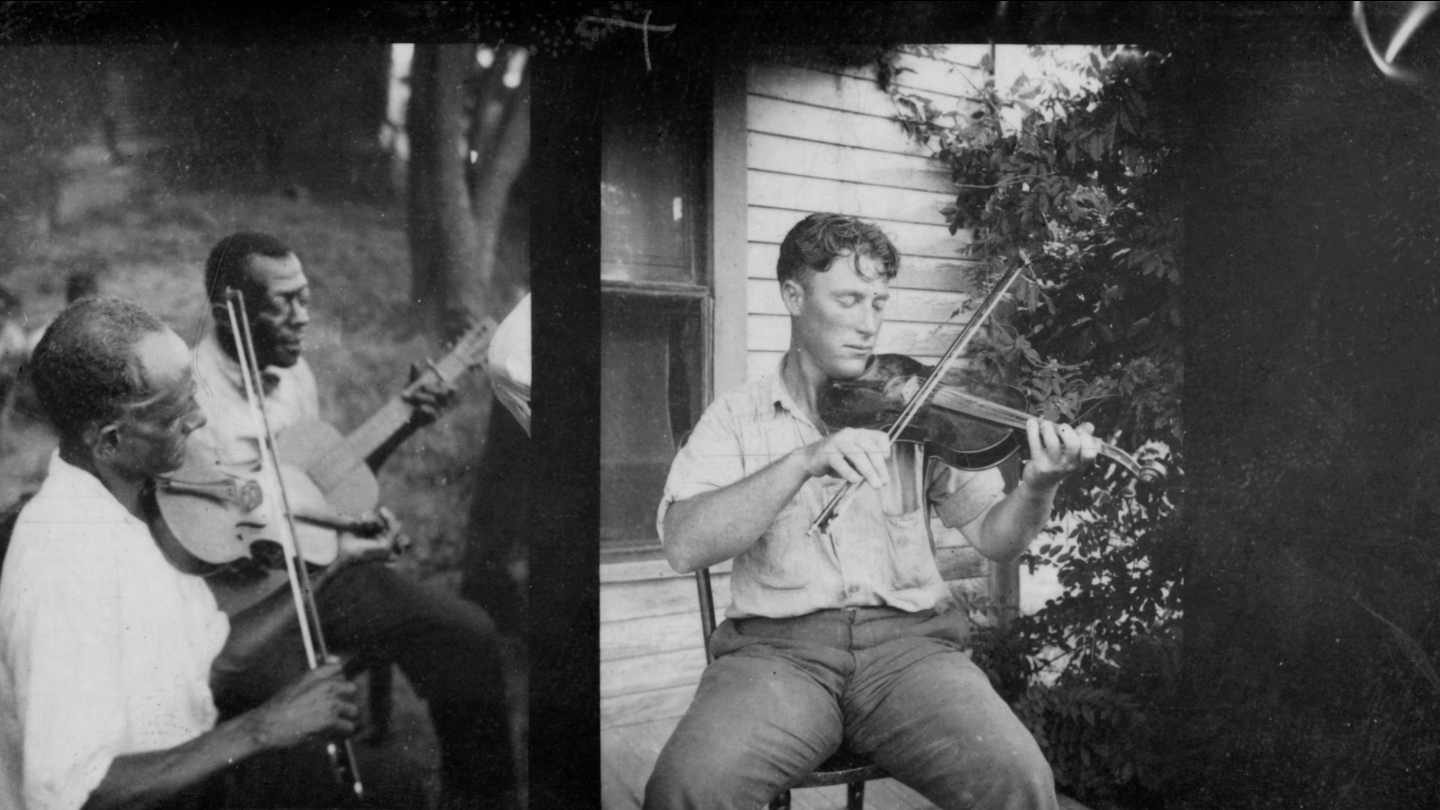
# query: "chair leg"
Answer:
x=855 y=796
x=781 y=802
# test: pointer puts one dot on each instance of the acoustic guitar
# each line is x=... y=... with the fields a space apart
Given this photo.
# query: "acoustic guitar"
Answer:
x=220 y=521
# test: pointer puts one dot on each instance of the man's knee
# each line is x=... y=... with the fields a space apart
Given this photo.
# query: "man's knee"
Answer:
x=713 y=778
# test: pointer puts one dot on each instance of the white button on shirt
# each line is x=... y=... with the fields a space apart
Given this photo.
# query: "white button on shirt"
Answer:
x=105 y=647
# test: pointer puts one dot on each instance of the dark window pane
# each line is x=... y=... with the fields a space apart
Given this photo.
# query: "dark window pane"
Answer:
x=653 y=153
x=650 y=388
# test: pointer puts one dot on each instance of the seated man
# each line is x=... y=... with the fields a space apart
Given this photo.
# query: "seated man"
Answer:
x=847 y=635
x=106 y=647
x=446 y=646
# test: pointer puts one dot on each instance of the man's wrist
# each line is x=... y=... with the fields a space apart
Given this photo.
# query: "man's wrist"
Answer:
x=1042 y=492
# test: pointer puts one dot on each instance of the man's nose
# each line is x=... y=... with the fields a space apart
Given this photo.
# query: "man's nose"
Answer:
x=870 y=321
x=299 y=314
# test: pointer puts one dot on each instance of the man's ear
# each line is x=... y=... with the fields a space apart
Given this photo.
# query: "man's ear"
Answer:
x=103 y=439
x=792 y=293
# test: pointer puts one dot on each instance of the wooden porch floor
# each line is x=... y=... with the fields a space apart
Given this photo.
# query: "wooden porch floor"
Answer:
x=628 y=753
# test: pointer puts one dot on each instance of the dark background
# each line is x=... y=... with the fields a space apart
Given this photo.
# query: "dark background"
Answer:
x=1311 y=303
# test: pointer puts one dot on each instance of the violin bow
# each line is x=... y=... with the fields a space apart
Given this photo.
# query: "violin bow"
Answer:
x=846 y=493
x=306 y=611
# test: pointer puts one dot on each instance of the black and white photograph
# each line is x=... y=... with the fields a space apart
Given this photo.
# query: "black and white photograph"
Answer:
x=963 y=405
x=267 y=335
x=1034 y=420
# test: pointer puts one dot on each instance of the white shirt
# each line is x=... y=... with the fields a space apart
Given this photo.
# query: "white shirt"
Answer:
x=866 y=558
x=508 y=361
x=105 y=647
x=230 y=432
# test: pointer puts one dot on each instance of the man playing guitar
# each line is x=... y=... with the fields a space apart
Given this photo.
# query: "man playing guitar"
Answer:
x=446 y=646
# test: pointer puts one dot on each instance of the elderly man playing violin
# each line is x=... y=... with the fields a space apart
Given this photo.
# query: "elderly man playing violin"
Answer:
x=107 y=646
x=446 y=646
x=847 y=635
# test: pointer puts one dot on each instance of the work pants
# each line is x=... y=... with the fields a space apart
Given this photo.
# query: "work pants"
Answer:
x=896 y=687
x=447 y=648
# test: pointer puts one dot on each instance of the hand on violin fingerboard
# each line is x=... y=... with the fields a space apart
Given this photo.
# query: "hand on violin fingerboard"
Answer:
x=1058 y=451
x=429 y=399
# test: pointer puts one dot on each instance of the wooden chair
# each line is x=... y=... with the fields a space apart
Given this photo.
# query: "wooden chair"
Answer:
x=843 y=768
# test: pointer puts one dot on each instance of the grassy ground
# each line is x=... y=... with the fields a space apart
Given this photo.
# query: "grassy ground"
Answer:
x=153 y=241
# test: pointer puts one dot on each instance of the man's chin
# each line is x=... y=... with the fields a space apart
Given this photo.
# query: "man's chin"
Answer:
x=284 y=357
x=851 y=368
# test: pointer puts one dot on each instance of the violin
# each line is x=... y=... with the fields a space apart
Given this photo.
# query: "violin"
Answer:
x=971 y=427
x=916 y=399
x=221 y=515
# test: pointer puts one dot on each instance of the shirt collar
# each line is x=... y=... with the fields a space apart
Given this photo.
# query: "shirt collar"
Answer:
x=210 y=353
x=778 y=394
x=69 y=481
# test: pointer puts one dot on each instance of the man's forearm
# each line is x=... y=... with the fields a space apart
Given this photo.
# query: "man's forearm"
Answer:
x=137 y=781
x=715 y=526
x=1009 y=526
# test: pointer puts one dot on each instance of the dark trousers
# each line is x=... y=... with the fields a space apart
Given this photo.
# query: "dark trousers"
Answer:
x=447 y=647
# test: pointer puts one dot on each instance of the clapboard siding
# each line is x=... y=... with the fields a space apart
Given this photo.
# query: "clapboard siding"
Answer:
x=793 y=191
x=650 y=635
x=850 y=93
x=808 y=123
x=830 y=161
x=657 y=597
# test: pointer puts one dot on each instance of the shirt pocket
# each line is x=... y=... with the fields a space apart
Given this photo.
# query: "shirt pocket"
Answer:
x=784 y=558
x=911 y=558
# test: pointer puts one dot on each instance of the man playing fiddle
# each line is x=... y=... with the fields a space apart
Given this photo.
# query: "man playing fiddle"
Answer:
x=447 y=647
x=106 y=645
x=849 y=634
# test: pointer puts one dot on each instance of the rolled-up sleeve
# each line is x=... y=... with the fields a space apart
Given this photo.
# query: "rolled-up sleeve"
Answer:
x=710 y=459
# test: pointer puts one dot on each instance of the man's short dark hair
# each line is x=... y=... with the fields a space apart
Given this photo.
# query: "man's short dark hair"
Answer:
x=86 y=368
x=816 y=240
x=229 y=264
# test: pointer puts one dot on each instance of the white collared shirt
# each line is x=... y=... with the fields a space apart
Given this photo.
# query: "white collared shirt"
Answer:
x=231 y=433
x=105 y=647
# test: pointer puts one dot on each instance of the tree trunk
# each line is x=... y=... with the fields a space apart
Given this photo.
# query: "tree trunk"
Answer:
x=444 y=237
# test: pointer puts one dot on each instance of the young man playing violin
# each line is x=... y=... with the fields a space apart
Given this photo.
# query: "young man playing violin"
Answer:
x=847 y=635
x=106 y=647
x=447 y=647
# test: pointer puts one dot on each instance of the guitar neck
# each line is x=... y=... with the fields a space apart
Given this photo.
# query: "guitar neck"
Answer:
x=382 y=425
x=385 y=423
